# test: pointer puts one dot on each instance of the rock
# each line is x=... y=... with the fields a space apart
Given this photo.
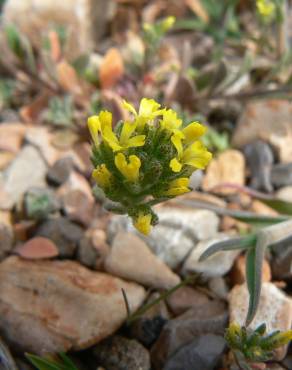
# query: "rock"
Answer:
x=175 y=235
x=119 y=353
x=185 y=298
x=78 y=206
x=93 y=249
x=124 y=260
x=11 y=136
x=228 y=167
x=37 y=248
x=217 y=265
x=41 y=138
x=147 y=328
x=196 y=179
x=259 y=158
x=39 y=203
x=268 y=120
x=6 y=360
x=281 y=174
x=285 y=194
x=204 y=352
x=5 y=159
x=208 y=318
x=219 y=287
x=81 y=158
x=275 y=309
x=6 y=240
x=281 y=261
x=26 y=171
x=79 y=18
x=60 y=171
x=238 y=274
x=76 y=182
x=64 y=233
x=56 y=306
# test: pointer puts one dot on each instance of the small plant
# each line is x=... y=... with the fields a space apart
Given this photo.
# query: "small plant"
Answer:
x=145 y=161
x=252 y=346
x=60 y=362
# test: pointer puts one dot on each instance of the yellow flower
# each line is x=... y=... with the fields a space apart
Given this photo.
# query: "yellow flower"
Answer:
x=129 y=170
x=193 y=131
x=266 y=8
x=148 y=110
x=97 y=125
x=178 y=187
x=170 y=121
x=143 y=223
x=125 y=141
x=167 y=23
x=195 y=155
x=102 y=176
x=234 y=329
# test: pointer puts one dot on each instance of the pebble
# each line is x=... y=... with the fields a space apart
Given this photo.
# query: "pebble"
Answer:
x=207 y=318
x=64 y=233
x=60 y=171
x=228 y=167
x=217 y=265
x=185 y=298
x=120 y=353
x=259 y=158
x=78 y=206
x=204 y=352
x=37 y=248
x=285 y=194
x=177 y=233
x=26 y=171
x=57 y=306
x=124 y=260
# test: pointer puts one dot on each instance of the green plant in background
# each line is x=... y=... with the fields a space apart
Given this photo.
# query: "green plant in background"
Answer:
x=145 y=161
x=60 y=362
x=60 y=111
x=252 y=346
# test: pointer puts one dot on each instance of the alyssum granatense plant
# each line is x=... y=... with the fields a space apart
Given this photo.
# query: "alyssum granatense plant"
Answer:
x=145 y=160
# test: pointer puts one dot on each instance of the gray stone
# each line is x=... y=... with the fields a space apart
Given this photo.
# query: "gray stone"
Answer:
x=217 y=265
x=281 y=174
x=39 y=203
x=177 y=233
x=259 y=158
x=65 y=234
x=124 y=260
x=210 y=317
x=26 y=171
x=204 y=352
x=119 y=353
x=57 y=306
x=60 y=171
x=6 y=240
x=6 y=360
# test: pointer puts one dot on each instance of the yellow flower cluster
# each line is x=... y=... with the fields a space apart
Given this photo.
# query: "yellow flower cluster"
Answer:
x=266 y=8
x=119 y=157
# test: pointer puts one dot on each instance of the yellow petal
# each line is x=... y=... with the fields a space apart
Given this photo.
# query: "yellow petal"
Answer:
x=193 y=131
x=143 y=223
x=105 y=118
x=93 y=124
x=135 y=141
x=175 y=165
x=170 y=120
x=148 y=107
x=102 y=176
x=129 y=107
x=182 y=181
x=127 y=130
x=110 y=137
x=129 y=170
x=176 y=140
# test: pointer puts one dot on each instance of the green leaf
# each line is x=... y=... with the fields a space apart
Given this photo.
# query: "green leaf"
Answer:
x=231 y=244
x=259 y=221
x=14 y=40
x=42 y=363
x=254 y=262
x=67 y=361
x=279 y=205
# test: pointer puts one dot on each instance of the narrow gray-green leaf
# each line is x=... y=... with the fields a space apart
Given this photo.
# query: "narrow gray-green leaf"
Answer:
x=254 y=263
x=227 y=245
